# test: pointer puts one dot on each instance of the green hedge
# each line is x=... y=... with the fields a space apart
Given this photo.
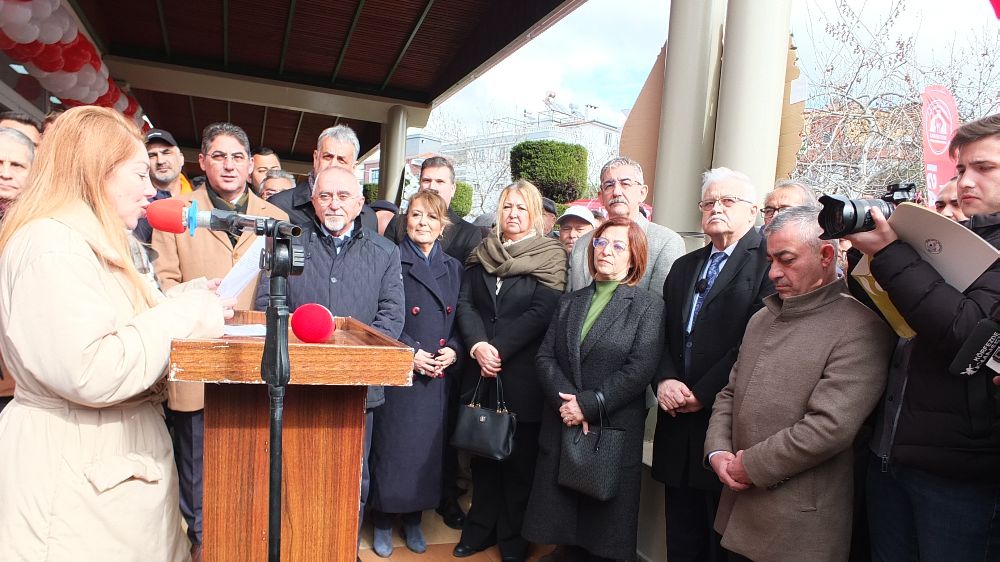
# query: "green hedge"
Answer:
x=558 y=169
x=371 y=192
x=461 y=203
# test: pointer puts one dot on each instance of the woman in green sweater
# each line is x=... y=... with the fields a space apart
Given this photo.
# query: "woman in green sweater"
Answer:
x=607 y=337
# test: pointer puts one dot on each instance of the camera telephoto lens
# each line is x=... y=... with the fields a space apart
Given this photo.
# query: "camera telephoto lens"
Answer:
x=841 y=216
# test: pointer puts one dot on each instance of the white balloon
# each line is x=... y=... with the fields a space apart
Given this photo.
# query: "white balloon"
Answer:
x=89 y=97
x=86 y=76
x=41 y=10
x=22 y=33
x=50 y=32
x=104 y=71
x=101 y=87
x=77 y=93
x=34 y=70
x=15 y=13
x=70 y=32
x=59 y=82
x=122 y=103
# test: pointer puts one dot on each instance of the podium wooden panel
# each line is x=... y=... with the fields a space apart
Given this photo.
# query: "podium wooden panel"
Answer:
x=322 y=444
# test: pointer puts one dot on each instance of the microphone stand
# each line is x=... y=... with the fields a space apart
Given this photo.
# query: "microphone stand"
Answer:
x=280 y=258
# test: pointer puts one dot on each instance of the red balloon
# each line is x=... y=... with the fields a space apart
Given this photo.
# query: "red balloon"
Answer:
x=109 y=97
x=6 y=42
x=75 y=54
x=24 y=52
x=132 y=107
x=50 y=59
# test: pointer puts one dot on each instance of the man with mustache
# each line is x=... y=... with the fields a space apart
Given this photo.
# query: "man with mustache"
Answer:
x=711 y=293
x=622 y=191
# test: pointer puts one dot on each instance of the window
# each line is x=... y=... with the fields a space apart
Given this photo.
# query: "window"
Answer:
x=373 y=175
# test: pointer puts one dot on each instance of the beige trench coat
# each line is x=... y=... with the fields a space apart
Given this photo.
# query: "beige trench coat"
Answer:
x=208 y=254
x=86 y=465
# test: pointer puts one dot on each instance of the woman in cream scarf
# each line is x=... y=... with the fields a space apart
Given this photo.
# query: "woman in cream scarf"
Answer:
x=509 y=293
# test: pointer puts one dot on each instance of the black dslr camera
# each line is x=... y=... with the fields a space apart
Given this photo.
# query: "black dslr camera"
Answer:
x=841 y=216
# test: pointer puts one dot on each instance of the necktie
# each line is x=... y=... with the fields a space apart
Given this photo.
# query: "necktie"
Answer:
x=338 y=243
x=714 y=265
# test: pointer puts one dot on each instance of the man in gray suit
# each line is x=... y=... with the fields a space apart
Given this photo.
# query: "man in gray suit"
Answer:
x=622 y=191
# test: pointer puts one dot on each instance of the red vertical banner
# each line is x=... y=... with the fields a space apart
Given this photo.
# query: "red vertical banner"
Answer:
x=940 y=119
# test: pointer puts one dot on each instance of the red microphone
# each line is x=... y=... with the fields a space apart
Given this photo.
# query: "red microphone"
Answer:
x=313 y=323
x=173 y=215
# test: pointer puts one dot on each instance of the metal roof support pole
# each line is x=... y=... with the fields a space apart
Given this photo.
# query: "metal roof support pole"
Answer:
x=752 y=89
x=392 y=156
x=687 y=113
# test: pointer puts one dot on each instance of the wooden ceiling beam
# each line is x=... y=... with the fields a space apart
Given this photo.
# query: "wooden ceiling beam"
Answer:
x=163 y=77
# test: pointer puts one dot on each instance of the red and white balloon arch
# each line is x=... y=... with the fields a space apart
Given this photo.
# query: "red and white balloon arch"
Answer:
x=43 y=36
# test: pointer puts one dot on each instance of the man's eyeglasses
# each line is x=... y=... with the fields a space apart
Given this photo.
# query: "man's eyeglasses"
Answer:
x=219 y=157
x=327 y=197
x=771 y=211
x=626 y=183
x=726 y=200
x=617 y=246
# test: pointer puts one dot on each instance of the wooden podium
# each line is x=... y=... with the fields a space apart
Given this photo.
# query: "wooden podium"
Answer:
x=322 y=444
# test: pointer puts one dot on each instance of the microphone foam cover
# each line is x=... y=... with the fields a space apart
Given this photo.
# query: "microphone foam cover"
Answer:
x=313 y=323
x=166 y=215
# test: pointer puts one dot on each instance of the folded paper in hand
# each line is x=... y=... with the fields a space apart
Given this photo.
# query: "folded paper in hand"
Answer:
x=246 y=271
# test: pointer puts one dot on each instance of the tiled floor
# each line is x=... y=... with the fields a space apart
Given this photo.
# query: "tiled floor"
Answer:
x=440 y=542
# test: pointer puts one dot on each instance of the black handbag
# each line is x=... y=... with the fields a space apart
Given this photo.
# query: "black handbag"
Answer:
x=591 y=463
x=485 y=432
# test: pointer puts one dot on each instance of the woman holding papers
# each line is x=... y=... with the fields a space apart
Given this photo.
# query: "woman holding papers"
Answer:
x=86 y=466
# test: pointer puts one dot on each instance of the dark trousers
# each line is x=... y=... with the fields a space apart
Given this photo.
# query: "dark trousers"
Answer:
x=382 y=520
x=500 y=493
x=914 y=515
x=365 y=472
x=187 y=431
x=450 y=492
x=690 y=521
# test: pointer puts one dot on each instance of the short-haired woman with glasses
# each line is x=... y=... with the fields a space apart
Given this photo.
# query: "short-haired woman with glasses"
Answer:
x=604 y=338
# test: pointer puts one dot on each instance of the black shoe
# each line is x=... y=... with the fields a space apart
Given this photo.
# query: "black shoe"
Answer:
x=452 y=514
x=463 y=550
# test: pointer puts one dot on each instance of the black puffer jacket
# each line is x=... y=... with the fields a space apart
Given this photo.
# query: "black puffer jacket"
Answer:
x=363 y=281
x=947 y=424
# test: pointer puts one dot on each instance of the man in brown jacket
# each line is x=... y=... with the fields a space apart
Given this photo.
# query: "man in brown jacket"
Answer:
x=225 y=158
x=812 y=366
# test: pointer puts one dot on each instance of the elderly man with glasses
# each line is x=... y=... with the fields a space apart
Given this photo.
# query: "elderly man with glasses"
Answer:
x=622 y=192
x=787 y=193
x=711 y=293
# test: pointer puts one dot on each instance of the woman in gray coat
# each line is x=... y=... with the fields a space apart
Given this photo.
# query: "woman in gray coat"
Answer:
x=605 y=337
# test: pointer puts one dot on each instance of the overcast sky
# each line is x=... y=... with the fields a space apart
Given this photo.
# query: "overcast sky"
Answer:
x=602 y=52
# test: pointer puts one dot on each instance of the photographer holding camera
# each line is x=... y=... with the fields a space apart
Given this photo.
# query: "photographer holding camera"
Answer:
x=934 y=478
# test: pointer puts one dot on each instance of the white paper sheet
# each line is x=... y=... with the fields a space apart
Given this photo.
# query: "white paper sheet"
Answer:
x=246 y=271
x=244 y=330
